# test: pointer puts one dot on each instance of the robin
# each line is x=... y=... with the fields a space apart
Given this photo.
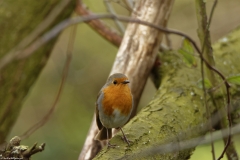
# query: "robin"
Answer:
x=113 y=107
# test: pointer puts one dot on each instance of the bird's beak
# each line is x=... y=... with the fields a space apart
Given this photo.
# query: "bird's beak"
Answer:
x=126 y=81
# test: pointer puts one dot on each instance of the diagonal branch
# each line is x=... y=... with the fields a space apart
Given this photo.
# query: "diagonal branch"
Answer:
x=99 y=26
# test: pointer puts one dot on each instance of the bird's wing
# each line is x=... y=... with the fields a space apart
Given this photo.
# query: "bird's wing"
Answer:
x=98 y=102
x=99 y=123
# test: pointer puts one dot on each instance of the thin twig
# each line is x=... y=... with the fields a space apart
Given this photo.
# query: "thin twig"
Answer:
x=203 y=31
x=126 y=6
x=129 y=4
x=207 y=109
x=230 y=126
x=64 y=76
x=228 y=97
x=111 y=10
x=227 y=88
x=211 y=13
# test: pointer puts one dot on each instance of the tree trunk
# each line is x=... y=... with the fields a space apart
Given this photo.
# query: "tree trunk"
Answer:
x=176 y=108
x=18 y=20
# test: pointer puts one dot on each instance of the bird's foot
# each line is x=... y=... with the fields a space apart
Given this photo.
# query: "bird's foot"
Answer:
x=124 y=138
x=111 y=145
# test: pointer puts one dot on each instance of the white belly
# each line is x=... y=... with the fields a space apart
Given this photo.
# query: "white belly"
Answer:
x=114 y=121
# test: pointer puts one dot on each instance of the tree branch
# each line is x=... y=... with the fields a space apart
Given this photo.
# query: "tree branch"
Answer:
x=112 y=11
x=99 y=26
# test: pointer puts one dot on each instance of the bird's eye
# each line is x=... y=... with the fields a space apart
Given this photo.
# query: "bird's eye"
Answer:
x=114 y=82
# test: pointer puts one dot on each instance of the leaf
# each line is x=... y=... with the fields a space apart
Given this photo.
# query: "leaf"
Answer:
x=234 y=79
x=207 y=84
x=187 y=52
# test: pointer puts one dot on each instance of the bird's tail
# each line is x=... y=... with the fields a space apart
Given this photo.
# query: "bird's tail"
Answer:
x=104 y=134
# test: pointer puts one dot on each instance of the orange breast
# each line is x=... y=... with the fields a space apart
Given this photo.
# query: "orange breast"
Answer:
x=117 y=97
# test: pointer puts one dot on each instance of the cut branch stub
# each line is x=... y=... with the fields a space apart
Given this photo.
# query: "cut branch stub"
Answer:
x=14 y=150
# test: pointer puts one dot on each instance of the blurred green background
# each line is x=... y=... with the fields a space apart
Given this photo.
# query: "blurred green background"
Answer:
x=65 y=132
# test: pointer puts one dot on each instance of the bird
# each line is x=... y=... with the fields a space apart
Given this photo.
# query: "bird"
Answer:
x=113 y=107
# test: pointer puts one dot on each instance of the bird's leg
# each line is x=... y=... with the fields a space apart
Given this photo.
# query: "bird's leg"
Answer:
x=108 y=143
x=124 y=137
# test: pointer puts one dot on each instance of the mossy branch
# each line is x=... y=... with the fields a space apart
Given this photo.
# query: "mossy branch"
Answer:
x=176 y=108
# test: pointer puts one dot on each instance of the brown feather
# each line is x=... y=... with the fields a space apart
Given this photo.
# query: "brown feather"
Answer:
x=117 y=97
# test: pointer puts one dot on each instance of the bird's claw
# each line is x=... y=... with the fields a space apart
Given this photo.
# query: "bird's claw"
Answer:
x=111 y=145
x=126 y=140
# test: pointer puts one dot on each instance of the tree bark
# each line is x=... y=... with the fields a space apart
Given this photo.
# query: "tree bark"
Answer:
x=176 y=108
x=18 y=20
x=135 y=57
